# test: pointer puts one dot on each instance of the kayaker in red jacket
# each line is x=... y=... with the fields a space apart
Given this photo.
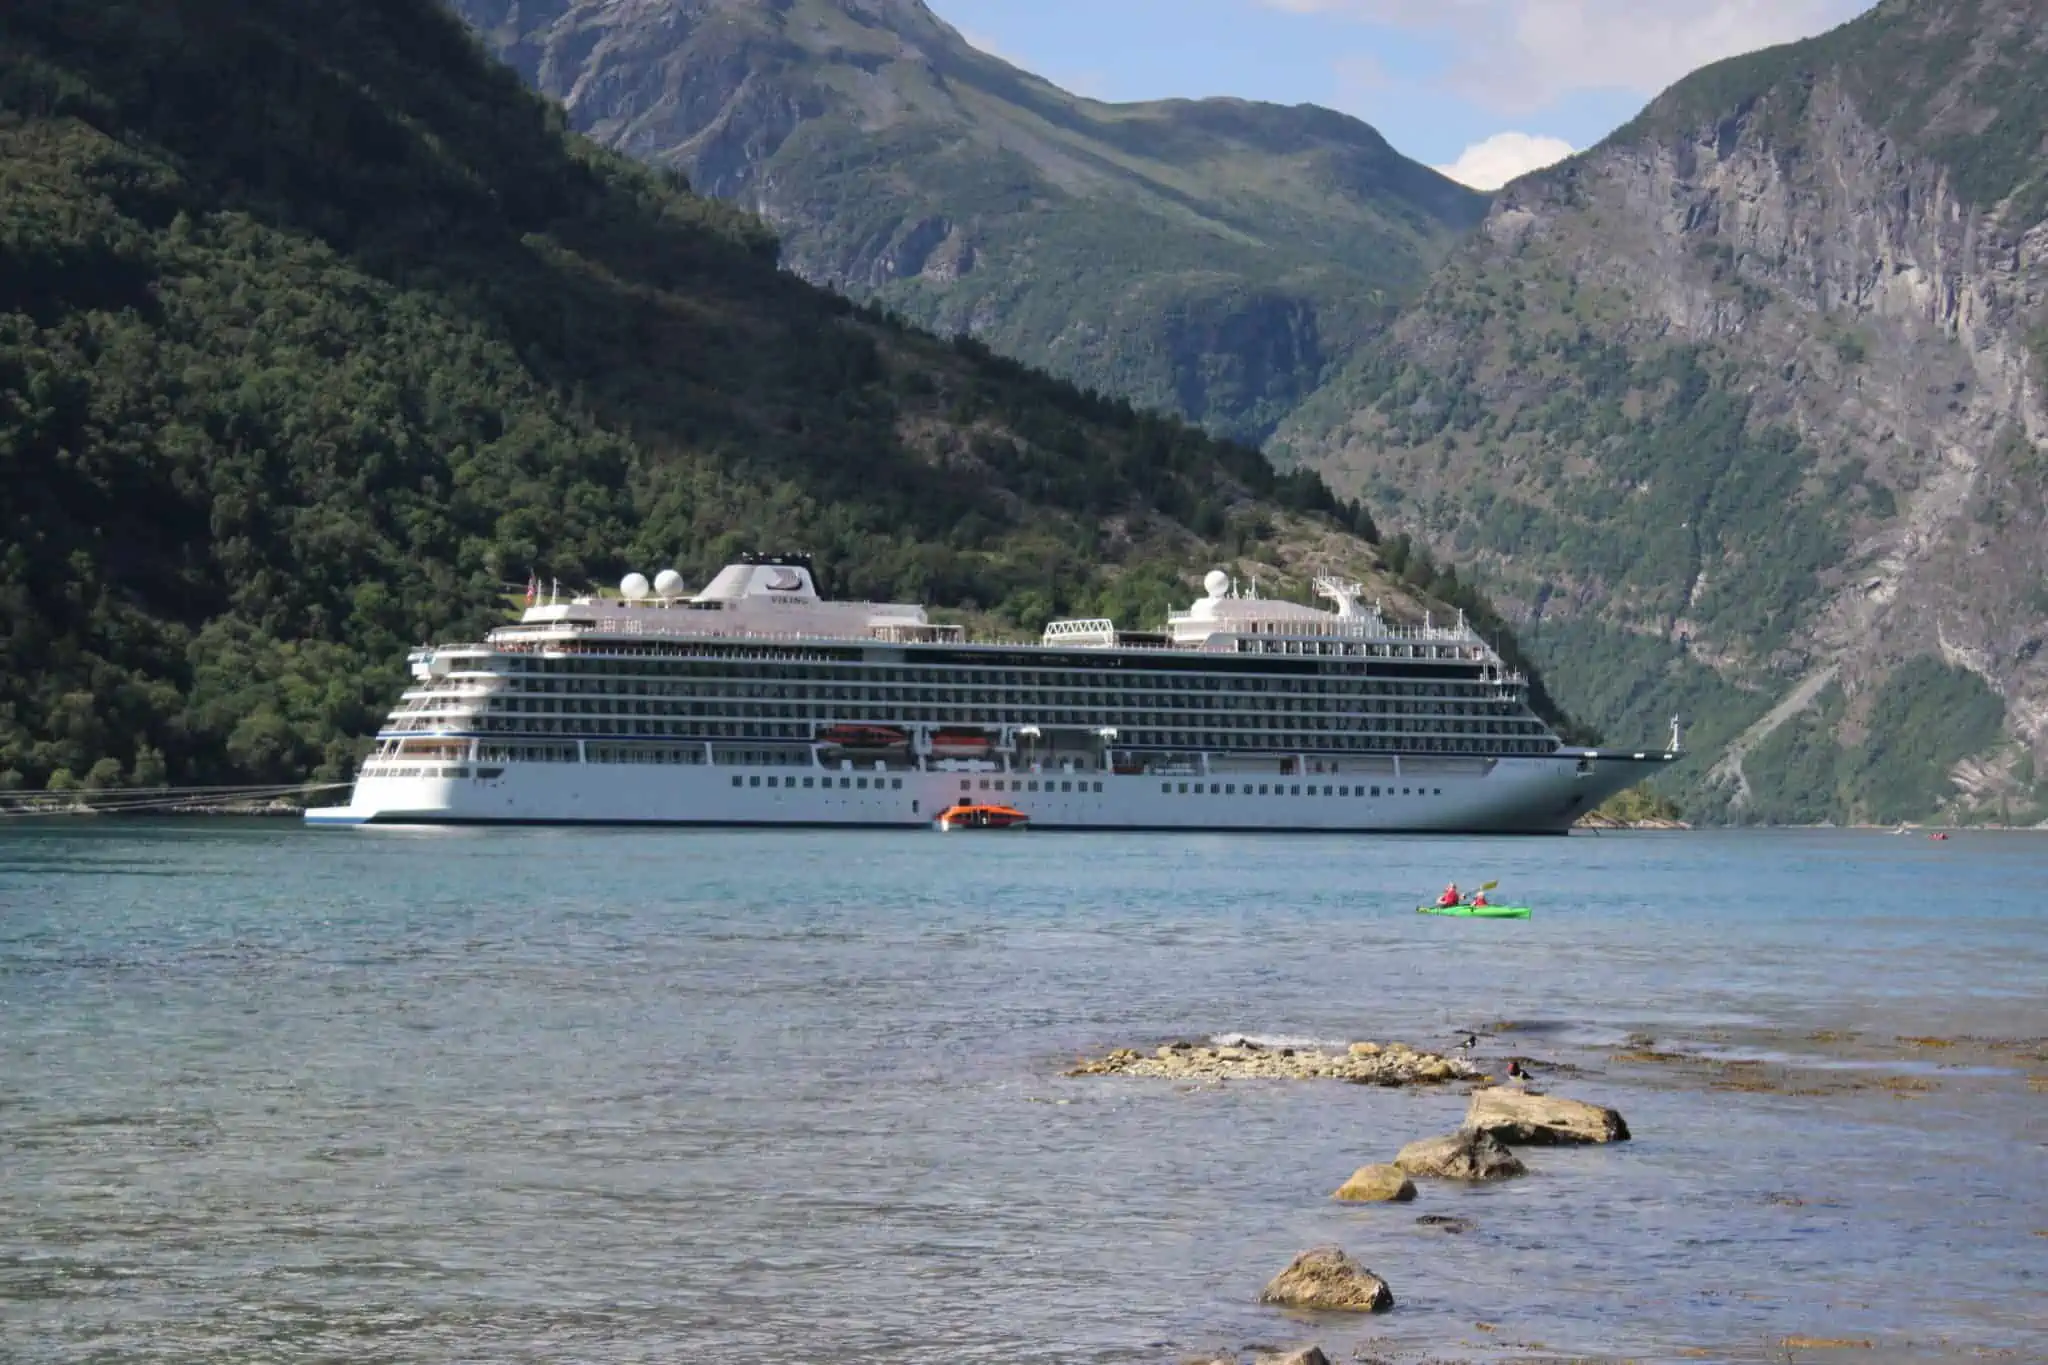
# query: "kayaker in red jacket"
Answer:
x=1479 y=899
x=1450 y=895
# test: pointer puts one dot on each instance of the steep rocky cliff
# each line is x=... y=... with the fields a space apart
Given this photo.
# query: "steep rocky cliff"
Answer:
x=1744 y=410
x=1211 y=258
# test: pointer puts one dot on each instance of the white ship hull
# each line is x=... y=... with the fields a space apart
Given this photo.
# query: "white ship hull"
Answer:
x=1543 y=795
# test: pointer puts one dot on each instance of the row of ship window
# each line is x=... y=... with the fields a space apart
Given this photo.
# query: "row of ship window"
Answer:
x=1243 y=724
x=1444 y=741
x=1284 y=789
x=990 y=689
x=1309 y=706
x=845 y=783
x=1116 y=674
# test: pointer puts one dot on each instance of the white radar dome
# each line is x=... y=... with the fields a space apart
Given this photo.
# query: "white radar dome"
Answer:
x=668 y=583
x=633 y=587
x=1217 y=583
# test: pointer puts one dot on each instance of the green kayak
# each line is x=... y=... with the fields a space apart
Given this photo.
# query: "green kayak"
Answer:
x=1476 y=911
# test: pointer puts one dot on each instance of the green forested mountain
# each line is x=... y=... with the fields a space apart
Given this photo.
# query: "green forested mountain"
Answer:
x=317 y=330
x=1206 y=257
x=1743 y=413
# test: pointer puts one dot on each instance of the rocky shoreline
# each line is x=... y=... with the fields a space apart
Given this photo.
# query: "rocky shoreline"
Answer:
x=1327 y=1279
x=1595 y=820
x=1363 y=1063
x=1506 y=1126
x=63 y=806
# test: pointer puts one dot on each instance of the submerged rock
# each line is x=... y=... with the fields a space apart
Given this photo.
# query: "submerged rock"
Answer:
x=1394 y=1064
x=1376 y=1185
x=1444 y=1222
x=1542 y=1120
x=1326 y=1280
x=1460 y=1156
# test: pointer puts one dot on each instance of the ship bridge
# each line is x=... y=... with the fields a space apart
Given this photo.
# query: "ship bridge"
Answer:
x=764 y=598
x=1227 y=619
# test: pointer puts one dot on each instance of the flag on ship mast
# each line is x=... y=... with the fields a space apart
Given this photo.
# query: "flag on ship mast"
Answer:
x=532 y=586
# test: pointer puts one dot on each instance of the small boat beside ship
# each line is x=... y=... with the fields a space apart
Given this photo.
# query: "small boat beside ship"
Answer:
x=982 y=817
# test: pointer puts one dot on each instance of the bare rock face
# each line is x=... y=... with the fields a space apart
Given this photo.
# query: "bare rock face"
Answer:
x=1518 y=1117
x=1376 y=1185
x=1326 y=1280
x=1827 y=238
x=1460 y=1156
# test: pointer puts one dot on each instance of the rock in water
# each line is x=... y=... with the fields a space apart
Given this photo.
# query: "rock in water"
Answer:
x=1307 y=1355
x=1461 y=1156
x=1519 y=1117
x=1326 y=1280
x=1376 y=1185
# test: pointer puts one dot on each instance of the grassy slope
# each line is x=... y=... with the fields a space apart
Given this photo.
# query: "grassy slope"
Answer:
x=1207 y=257
x=316 y=329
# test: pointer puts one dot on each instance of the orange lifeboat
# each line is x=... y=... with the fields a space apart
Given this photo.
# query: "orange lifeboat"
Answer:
x=982 y=817
x=863 y=737
x=959 y=744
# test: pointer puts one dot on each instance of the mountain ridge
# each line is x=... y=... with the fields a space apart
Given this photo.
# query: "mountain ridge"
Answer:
x=1746 y=403
x=1209 y=257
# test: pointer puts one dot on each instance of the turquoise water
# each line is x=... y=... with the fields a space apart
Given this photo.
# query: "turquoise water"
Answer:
x=534 y=1095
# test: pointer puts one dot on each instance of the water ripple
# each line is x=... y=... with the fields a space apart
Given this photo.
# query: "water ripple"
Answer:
x=534 y=1095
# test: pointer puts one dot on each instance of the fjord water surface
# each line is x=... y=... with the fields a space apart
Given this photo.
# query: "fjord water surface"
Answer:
x=583 y=1095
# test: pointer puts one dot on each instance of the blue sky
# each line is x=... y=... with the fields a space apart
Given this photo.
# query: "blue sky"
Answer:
x=1483 y=88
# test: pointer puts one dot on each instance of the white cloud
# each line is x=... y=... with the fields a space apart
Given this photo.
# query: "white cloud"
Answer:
x=1520 y=55
x=1490 y=164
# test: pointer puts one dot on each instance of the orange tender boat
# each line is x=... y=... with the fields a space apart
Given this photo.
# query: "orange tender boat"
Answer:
x=863 y=737
x=960 y=744
x=982 y=817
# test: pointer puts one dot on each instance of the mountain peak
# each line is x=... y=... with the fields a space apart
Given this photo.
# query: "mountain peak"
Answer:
x=1201 y=256
x=1959 y=81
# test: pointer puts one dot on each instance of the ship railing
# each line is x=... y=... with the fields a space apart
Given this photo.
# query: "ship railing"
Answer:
x=893 y=632
x=1370 y=627
x=1099 y=629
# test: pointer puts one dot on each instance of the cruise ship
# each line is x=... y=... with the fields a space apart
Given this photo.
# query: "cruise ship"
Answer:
x=758 y=701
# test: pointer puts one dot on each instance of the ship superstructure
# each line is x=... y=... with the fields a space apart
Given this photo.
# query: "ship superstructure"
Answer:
x=758 y=701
